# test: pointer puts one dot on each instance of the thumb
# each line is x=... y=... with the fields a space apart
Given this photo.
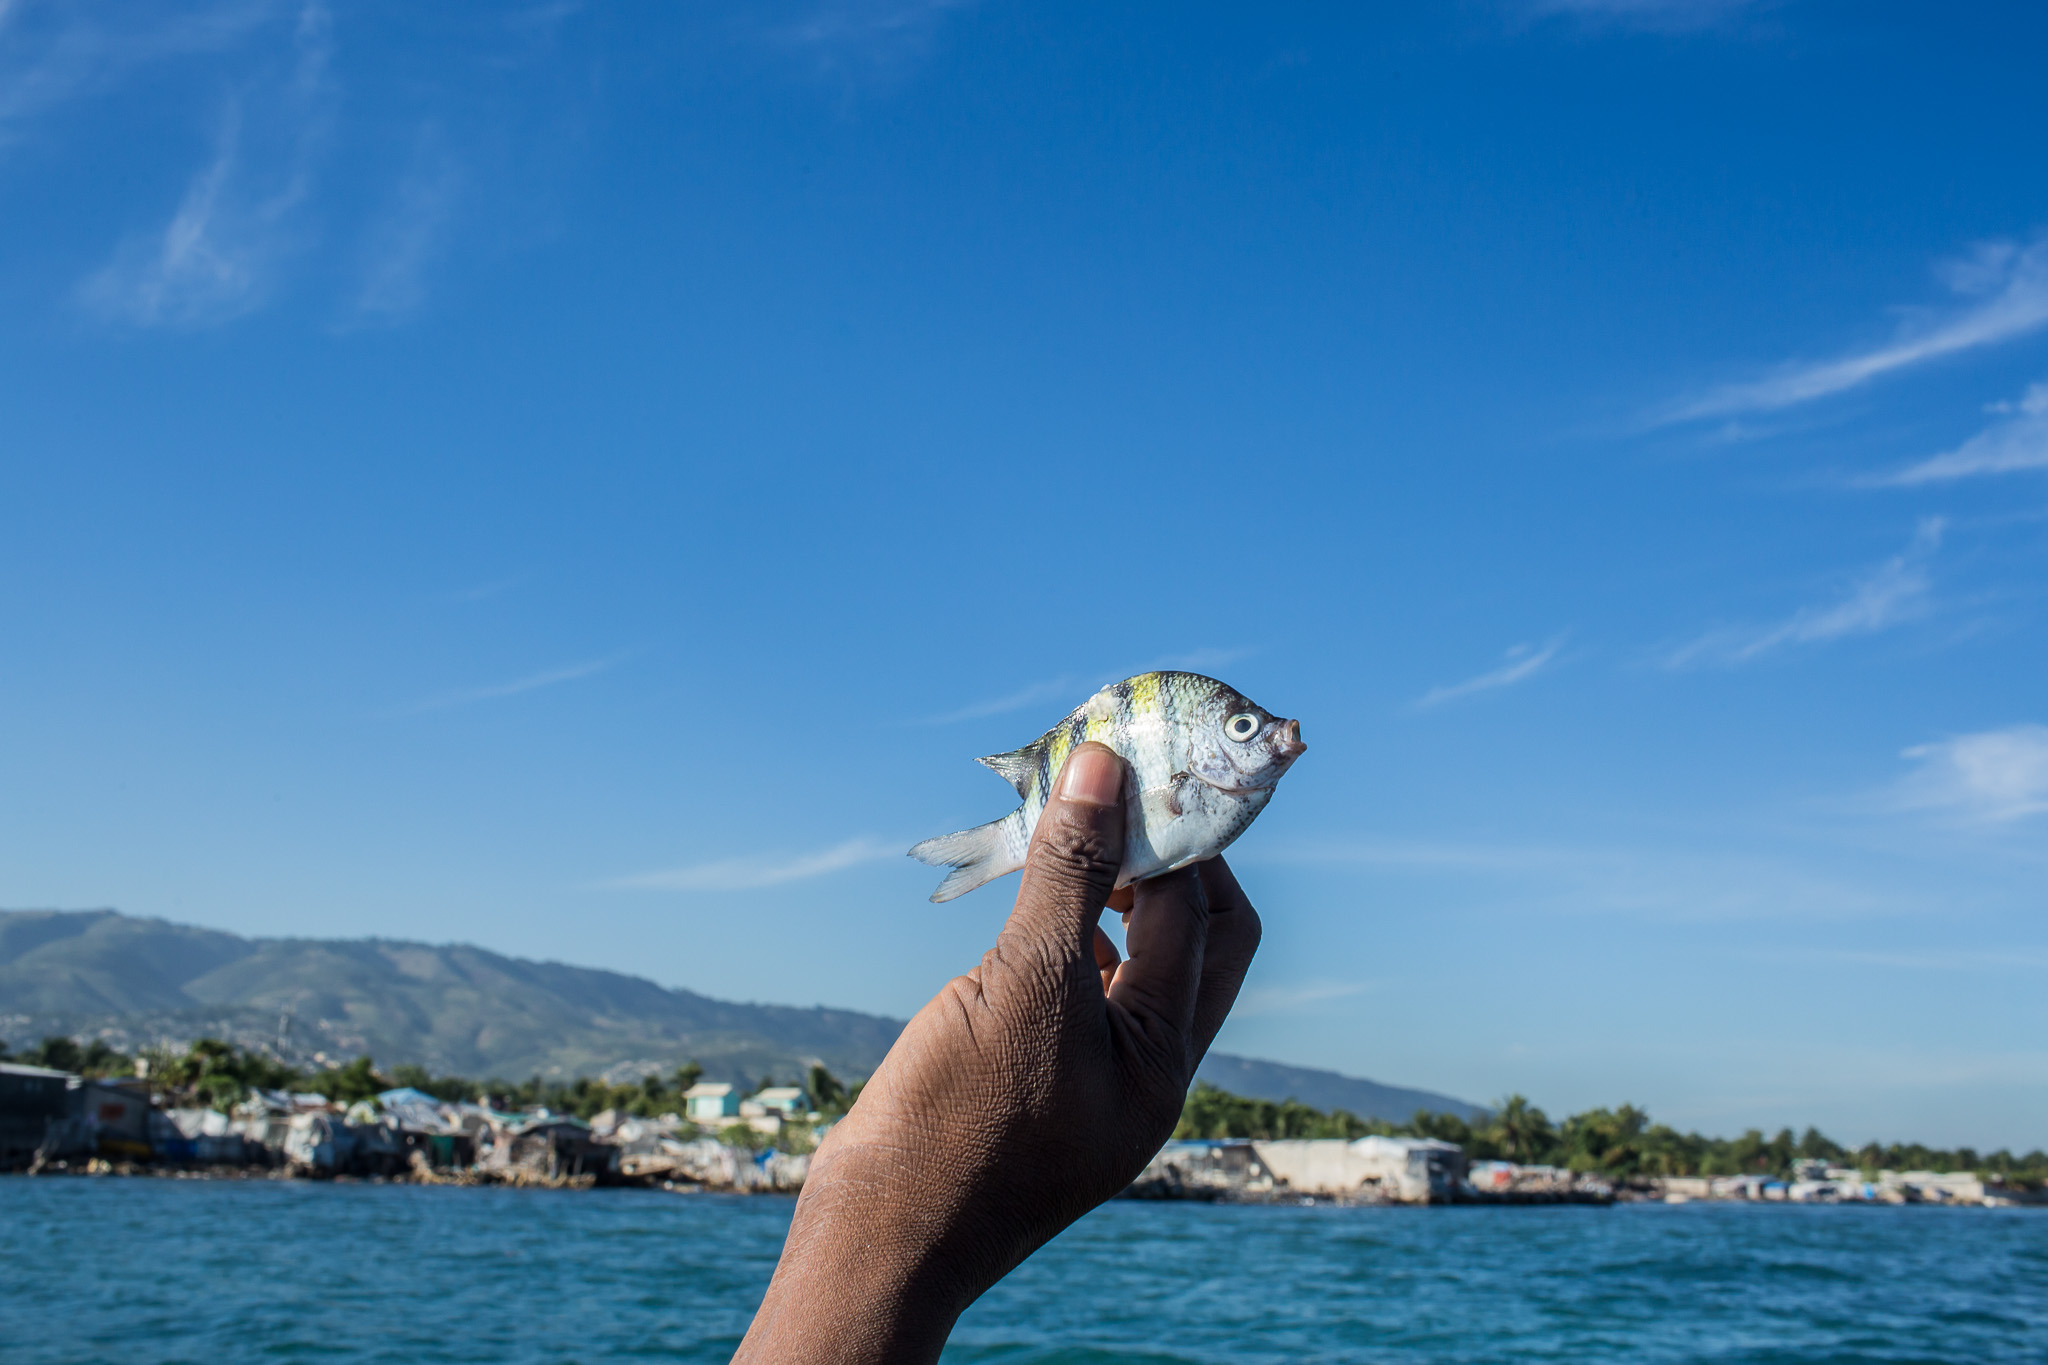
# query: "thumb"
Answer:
x=1076 y=851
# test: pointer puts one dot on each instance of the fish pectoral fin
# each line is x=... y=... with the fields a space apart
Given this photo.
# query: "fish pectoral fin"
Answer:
x=1018 y=766
x=1176 y=786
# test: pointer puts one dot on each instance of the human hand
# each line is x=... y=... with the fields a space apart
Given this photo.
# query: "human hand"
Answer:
x=1027 y=1092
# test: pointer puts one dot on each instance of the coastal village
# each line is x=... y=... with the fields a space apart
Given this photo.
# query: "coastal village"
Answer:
x=1398 y=1170
x=720 y=1139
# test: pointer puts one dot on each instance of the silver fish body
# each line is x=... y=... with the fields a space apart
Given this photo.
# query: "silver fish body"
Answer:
x=1203 y=761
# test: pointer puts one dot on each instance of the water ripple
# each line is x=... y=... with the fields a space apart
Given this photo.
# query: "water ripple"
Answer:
x=236 y=1273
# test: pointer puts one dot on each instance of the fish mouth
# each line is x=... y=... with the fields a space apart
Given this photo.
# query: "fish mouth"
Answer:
x=1286 y=742
x=1224 y=786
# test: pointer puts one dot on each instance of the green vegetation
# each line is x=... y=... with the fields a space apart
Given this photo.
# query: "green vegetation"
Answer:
x=585 y=1096
x=829 y=1095
x=68 y=1054
x=1616 y=1142
x=214 y=1074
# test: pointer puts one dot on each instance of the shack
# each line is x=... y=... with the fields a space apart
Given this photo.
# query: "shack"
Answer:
x=711 y=1102
x=1203 y=1169
x=31 y=1099
x=110 y=1119
x=556 y=1148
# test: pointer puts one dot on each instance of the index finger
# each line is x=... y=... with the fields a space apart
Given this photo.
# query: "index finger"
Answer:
x=1159 y=983
x=1234 y=933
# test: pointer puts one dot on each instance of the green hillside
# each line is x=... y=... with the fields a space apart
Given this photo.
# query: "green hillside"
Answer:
x=451 y=1008
x=460 y=1010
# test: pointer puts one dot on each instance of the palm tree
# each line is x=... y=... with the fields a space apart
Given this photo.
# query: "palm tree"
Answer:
x=1520 y=1129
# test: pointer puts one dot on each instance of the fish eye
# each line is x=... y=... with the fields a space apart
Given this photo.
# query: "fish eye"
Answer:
x=1241 y=726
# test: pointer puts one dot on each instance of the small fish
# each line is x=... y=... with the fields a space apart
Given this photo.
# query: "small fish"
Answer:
x=1203 y=761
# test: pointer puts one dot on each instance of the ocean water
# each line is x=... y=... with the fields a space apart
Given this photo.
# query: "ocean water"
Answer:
x=233 y=1272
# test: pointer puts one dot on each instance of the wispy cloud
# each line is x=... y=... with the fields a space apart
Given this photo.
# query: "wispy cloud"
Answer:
x=403 y=240
x=1650 y=14
x=881 y=37
x=448 y=126
x=216 y=258
x=1897 y=591
x=1522 y=662
x=2020 y=442
x=1992 y=777
x=531 y=683
x=2005 y=292
x=53 y=53
x=752 y=873
x=208 y=264
x=1281 y=999
x=1051 y=689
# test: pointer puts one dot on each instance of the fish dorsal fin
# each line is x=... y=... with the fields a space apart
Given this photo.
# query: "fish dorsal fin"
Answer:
x=1018 y=767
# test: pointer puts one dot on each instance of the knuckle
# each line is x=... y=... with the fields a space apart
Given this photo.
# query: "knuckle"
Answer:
x=1029 y=966
x=1079 y=852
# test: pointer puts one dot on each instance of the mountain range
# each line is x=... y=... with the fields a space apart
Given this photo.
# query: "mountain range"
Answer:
x=462 y=1010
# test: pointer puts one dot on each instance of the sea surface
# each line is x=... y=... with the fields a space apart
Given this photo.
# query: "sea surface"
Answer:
x=228 y=1272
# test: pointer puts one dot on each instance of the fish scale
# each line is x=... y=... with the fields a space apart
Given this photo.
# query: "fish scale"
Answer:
x=1203 y=761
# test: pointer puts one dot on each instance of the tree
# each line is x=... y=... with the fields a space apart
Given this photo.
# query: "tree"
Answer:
x=356 y=1081
x=1520 y=1131
x=1605 y=1139
x=1815 y=1145
x=828 y=1096
x=1445 y=1127
x=96 y=1058
x=410 y=1076
x=59 y=1054
x=688 y=1074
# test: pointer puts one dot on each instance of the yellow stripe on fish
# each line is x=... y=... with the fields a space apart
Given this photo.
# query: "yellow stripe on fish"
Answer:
x=1145 y=694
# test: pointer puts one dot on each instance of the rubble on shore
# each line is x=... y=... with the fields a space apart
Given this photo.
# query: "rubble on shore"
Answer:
x=1387 y=1170
x=1368 y=1170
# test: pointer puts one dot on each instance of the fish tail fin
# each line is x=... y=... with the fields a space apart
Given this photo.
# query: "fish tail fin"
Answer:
x=977 y=856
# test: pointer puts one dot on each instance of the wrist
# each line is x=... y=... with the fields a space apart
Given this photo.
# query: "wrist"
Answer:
x=864 y=1275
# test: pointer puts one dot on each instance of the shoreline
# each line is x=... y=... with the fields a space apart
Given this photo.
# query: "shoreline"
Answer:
x=100 y=1169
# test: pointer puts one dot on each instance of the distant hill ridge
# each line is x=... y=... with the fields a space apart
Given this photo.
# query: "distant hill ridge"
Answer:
x=462 y=1010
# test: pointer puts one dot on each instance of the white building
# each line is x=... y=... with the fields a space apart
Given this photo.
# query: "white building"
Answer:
x=768 y=1109
x=786 y=1100
x=1407 y=1170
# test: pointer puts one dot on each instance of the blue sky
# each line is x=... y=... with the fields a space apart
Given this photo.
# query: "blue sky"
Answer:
x=586 y=479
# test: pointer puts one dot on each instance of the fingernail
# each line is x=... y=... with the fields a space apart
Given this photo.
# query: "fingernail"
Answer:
x=1094 y=777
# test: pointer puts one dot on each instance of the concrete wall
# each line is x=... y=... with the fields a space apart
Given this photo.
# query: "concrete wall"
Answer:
x=1391 y=1168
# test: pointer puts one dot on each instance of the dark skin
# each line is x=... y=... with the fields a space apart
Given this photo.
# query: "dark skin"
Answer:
x=1027 y=1092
